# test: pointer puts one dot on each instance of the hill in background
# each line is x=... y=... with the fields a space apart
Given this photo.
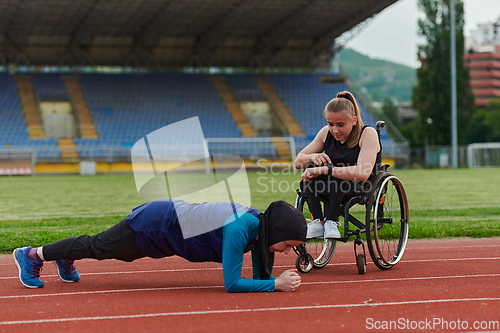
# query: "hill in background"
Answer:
x=379 y=79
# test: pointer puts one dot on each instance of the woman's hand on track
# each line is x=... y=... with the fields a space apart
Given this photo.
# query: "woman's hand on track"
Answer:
x=289 y=280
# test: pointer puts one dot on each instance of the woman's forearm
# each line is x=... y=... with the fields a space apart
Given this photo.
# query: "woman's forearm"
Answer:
x=301 y=160
x=355 y=172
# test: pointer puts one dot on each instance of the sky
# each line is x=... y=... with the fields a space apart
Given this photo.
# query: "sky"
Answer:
x=393 y=33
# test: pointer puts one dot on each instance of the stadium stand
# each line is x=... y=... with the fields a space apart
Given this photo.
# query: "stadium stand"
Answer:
x=13 y=126
x=244 y=87
x=306 y=98
x=125 y=107
x=49 y=87
x=57 y=45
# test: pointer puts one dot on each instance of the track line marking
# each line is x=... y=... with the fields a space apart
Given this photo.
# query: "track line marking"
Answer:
x=107 y=291
x=407 y=248
x=410 y=248
x=450 y=259
x=246 y=267
x=190 y=313
x=137 y=272
x=221 y=286
x=406 y=279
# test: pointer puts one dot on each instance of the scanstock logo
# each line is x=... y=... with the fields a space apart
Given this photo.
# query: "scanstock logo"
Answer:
x=173 y=163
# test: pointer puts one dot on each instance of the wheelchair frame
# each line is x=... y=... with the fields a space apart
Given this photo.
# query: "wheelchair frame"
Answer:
x=385 y=237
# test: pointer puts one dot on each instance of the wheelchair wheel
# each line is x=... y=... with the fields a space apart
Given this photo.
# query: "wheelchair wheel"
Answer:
x=387 y=221
x=320 y=249
x=304 y=263
x=361 y=263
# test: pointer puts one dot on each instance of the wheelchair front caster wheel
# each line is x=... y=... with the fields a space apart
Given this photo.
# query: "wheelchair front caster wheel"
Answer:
x=361 y=263
x=304 y=263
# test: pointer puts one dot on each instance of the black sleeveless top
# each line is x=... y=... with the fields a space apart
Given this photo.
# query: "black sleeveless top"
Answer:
x=341 y=155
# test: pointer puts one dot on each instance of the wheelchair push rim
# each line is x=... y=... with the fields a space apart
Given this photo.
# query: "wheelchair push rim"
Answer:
x=387 y=216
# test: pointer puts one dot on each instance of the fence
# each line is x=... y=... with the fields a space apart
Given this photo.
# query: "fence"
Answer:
x=436 y=157
x=250 y=149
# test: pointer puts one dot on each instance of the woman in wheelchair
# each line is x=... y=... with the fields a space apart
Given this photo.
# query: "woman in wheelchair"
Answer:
x=343 y=151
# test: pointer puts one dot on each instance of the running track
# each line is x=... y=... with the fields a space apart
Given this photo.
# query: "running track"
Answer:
x=457 y=281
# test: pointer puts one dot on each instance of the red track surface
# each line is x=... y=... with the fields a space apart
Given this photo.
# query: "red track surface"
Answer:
x=456 y=281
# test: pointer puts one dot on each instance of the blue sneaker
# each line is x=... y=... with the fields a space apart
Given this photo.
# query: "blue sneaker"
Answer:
x=67 y=270
x=29 y=270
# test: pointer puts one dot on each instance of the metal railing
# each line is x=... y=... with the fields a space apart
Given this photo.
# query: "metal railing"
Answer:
x=249 y=149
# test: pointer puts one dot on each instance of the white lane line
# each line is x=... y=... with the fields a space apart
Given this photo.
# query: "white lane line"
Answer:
x=191 y=313
x=139 y=272
x=450 y=259
x=408 y=248
x=107 y=291
x=404 y=279
x=411 y=248
x=214 y=287
x=418 y=260
x=248 y=267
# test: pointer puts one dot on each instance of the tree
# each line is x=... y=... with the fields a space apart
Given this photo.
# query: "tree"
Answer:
x=390 y=114
x=485 y=124
x=432 y=94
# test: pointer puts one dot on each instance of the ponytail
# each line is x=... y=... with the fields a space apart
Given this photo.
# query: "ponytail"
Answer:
x=346 y=101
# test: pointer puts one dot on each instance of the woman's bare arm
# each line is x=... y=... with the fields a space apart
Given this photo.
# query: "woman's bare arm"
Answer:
x=366 y=160
x=313 y=152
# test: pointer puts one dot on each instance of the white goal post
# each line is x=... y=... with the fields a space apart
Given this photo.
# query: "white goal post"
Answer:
x=481 y=155
x=256 y=148
x=17 y=162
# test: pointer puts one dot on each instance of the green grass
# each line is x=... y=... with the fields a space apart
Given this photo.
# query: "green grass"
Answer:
x=42 y=209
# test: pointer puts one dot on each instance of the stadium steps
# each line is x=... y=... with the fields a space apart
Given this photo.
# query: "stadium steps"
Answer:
x=278 y=107
x=87 y=127
x=68 y=150
x=29 y=106
x=283 y=149
x=232 y=105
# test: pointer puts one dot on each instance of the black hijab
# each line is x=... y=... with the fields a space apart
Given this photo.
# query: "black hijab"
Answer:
x=280 y=222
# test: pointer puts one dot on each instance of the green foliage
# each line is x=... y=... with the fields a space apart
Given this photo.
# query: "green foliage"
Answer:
x=381 y=79
x=390 y=111
x=432 y=94
x=485 y=123
x=493 y=118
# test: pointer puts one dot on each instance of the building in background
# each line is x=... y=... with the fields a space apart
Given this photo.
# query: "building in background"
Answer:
x=483 y=58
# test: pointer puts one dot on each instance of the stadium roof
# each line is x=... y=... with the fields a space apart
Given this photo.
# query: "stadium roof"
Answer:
x=219 y=33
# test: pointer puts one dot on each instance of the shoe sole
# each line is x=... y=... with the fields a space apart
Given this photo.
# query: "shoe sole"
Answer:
x=14 y=254
x=333 y=237
x=57 y=267
x=315 y=237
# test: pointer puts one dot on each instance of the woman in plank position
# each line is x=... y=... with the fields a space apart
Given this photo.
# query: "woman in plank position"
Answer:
x=156 y=229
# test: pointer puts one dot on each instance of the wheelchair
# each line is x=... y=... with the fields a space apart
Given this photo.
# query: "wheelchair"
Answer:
x=383 y=222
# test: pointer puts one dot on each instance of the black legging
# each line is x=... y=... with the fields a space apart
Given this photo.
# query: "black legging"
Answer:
x=325 y=184
x=118 y=242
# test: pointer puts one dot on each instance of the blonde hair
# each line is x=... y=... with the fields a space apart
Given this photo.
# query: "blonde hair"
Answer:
x=346 y=101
